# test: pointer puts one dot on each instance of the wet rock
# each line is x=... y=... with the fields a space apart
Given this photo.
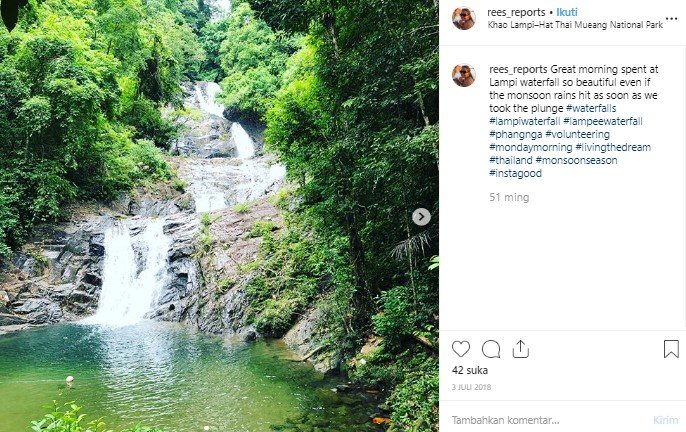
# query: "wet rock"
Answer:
x=32 y=305
x=304 y=340
x=63 y=291
x=207 y=288
x=92 y=278
x=32 y=268
x=11 y=319
x=80 y=309
x=170 y=295
x=96 y=246
x=78 y=296
x=39 y=311
x=183 y=279
x=58 y=275
x=4 y=298
x=206 y=135
x=248 y=334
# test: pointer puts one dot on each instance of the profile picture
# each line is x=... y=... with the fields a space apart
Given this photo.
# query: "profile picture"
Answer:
x=463 y=75
x=463 y=18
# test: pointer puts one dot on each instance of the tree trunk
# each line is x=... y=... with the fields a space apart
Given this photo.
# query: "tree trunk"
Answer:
x=329 y=25
x=356 y=253
x=422 y=108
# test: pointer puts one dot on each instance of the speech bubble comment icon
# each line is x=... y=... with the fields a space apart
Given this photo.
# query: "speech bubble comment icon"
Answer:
x=491 y=349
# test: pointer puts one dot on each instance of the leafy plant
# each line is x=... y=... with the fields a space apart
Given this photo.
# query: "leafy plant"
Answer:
x=261 y=228
x=223 y=285
x=68 y=418
x=242 y=208
x=205 y=220
x=179 y=184
x=415 y=400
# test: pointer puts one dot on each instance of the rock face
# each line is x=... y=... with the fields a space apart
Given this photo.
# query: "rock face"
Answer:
x=184 y=280
x=221 y=305
x=161 y=201
x=218 y=301
x=303 y=338
x=222 y=164
x=56 y=276
x=207 y=133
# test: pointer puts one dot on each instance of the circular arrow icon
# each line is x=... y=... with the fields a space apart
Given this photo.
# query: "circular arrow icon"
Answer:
x=421 y=216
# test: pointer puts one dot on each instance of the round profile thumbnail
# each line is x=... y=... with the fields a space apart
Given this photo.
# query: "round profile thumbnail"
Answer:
x=463 y=75
x=463 y=18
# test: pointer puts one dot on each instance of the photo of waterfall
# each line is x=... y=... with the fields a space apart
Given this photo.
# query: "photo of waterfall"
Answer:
x=206 y=216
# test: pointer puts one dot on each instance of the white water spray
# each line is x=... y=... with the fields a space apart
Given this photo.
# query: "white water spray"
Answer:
x=209 y=200
x=207 y=100
x=127 y=297
x=244 y=144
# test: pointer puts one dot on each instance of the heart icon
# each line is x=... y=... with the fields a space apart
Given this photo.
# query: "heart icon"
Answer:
x=461 y=348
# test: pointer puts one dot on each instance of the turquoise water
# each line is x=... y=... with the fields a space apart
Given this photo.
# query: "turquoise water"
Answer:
x=165 y=375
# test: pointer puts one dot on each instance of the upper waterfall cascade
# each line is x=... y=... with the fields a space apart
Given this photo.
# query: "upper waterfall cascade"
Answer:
x=217 y=182
x=207 y=98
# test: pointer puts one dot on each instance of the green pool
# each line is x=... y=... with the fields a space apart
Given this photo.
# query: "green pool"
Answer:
x=165 y=375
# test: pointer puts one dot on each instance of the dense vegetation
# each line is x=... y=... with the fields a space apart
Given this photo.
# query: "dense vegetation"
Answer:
x=252 y=57
x=355 y=119
x=348 y=92
x=81 y=84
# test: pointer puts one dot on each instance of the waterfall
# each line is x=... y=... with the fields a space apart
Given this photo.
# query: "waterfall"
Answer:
x=126 y=296
x=209 y=200
x=244 y=144
x=220 y=181
x=207 y=101
x=208 y=104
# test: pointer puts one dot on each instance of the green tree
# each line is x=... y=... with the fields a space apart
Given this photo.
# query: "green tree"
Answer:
x=356 y=123
x=79 y=110
x=253 y=58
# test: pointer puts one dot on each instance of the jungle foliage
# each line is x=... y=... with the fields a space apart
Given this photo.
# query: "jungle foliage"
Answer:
x=355 y=120
x=253 y=58
x=81 y=87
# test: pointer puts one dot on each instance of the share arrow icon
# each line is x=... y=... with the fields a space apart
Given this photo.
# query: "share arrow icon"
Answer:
x=520 y=350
